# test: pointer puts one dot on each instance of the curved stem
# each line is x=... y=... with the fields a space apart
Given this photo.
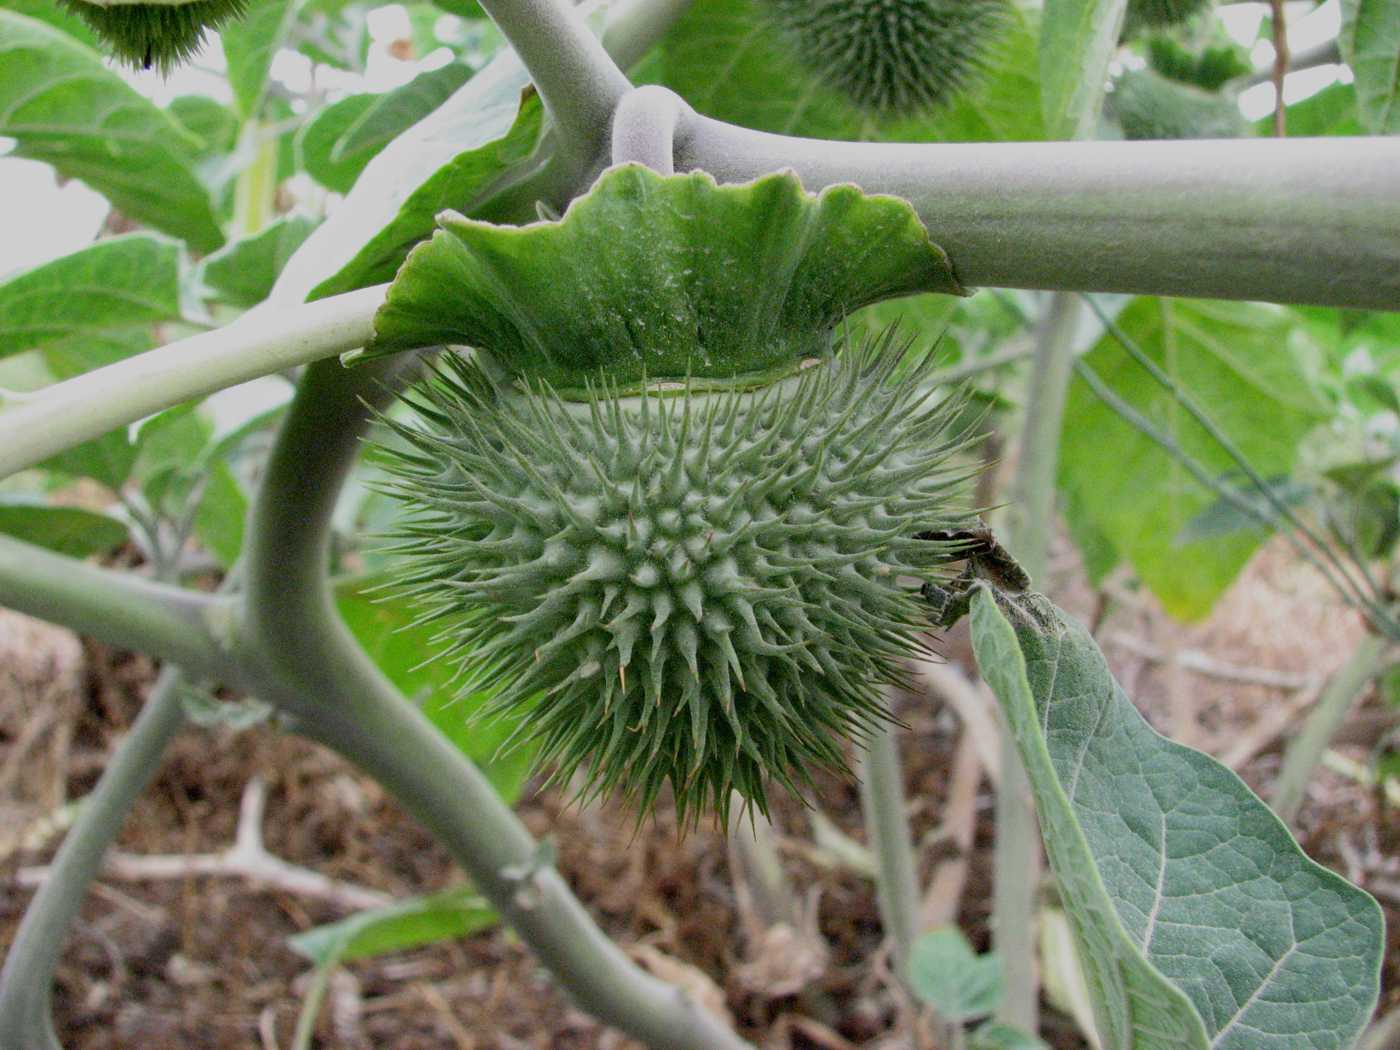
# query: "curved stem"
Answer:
x=26 y=982
x=575 y=76
x=887 y=825
x=1284 y=220
x=1305 y=751
x=644 y=128
x=259 y=343
x=314 y=671
x=117 y=608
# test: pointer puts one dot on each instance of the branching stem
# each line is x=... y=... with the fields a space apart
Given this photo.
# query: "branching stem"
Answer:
x=644 y=128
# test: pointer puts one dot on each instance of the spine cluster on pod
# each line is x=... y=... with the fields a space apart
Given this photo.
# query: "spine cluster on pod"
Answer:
x=706 y=591
x=1158 y=14
x=159 y=35
x=893 y=57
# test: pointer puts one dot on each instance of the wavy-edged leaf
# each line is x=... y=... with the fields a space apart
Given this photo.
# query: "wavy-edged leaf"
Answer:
x=652 y=277
x=62 y=105
x=947 y=974
x=94 y=306
x=1248 y=366
x=243 y=272
x=347 y=135
x=73 y=531
x=1370 y=41
x=250 y=43
x=386 y=629
x=1201 y=924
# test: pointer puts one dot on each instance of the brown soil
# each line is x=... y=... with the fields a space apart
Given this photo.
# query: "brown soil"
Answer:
x=203 y=962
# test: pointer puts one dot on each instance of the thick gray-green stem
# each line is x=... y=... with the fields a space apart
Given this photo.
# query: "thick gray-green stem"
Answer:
x=26 y=982
x=1305 y=751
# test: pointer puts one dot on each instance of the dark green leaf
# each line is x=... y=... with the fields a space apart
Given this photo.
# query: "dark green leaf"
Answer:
x=68 y=530
x=347 y=135
x=1246 y=365
x=1370 y=40
x=223 y=509
x=1200 y=923
x=250 y=43
x=384 y=628
x=62 y=105
x=947 y=974
x=92 y=307
x=397 y=927
x=243 y=272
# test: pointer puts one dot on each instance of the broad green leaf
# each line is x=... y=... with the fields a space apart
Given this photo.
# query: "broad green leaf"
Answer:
x=385 y=629
x=169 y=447
x=223 y=509
x=1248 y=366
x=62 y=105
x=56 y=15
x=1077 y=38
x=73 y=531
x=250 y=43
x=1332 y=111
x=1370 y=40
x=397 y=927
x=760 y=84
x=214 y=124
x=107 y=459
x=347 y=135
x=243 y=272
x=94 y=306
x=947 y=974
x=763 y=271
x=1201 y=925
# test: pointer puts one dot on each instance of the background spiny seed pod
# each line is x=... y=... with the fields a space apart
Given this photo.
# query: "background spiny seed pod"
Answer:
x=159 y=35
x=893 y=57
x=1157 y=14
x=706 y=591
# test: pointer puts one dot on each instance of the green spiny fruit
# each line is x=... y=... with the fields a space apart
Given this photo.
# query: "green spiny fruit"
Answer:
x=1149 y=106
x=160 y=35
x=702 y=589
x=893 y=57
x=1157 y=14
x=1210 y=68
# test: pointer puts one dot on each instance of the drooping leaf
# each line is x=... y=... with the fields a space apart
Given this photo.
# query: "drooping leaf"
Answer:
x=1370 y=41
x=1201 y=925
x=250 y=43
x=62 y=105
x=347 y=135
x=384 y=629
x=1077 y=38
x=763 y=272
x=73 y=531
x=223 y=508
x=397 y=927
x=94 y=306
x=947 y=974
x=243 y=272
x=1248 y=367
x=761 y=84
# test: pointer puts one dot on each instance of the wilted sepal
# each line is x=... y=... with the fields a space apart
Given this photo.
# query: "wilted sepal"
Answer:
x=651 y=277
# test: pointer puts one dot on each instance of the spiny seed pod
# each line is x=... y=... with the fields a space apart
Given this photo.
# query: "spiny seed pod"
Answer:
x=893 y=57
x=1157 y=14
x=1149 y=106
x=160 y=35
x=1210 y=68
x=705 y=590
